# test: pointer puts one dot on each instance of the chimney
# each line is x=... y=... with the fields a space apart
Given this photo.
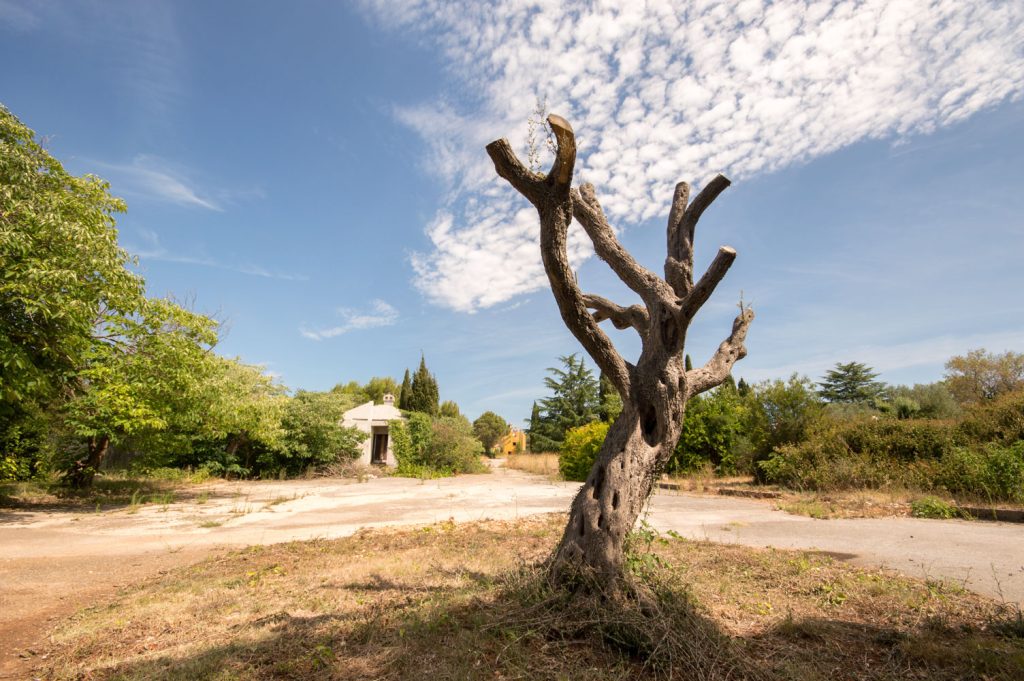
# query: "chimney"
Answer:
x=389 y=399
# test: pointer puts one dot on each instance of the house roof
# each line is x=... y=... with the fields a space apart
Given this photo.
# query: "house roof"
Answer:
x=373 y=412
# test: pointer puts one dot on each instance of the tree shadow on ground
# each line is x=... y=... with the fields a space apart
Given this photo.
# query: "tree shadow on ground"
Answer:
x=19 y=500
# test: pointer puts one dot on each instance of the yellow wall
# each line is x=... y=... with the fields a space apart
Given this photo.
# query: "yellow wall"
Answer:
x=512 y=443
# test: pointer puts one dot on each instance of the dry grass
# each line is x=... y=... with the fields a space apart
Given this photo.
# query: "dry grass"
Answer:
x=866 y=503
x=541 y=464
x=459 y=602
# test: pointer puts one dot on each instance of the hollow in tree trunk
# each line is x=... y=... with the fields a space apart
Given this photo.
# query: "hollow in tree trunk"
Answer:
x=655 y=390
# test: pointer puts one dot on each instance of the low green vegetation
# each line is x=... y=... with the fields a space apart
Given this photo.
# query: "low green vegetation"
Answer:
x=849 y=432
x=580 y=449
x=429 y=447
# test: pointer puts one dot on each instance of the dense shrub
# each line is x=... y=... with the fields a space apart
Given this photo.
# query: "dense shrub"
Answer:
x=579 y=450
x=713 y=434
x=908 y=440
x=921 y=454
x=428 y=447
x=859 y=453
x=1000 y=420
x=992 y=473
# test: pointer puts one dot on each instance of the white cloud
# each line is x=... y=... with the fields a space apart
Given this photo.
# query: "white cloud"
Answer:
x=152 y=249
x=663 y=91
x=155 y=178
x=380 y=314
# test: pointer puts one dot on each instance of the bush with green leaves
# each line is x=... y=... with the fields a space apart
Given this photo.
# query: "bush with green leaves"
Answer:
x=998 y=420
x=714 y=434
x=932 y=507
x=429 y=447
x=990 y=473
x=867 y=452
x=579 y=450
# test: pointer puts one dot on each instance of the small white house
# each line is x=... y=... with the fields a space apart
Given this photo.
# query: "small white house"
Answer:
x=373 y=420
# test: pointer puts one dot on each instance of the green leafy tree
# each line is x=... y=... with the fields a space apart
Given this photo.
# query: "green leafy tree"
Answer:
x=352 y=391
x=852 y=382
x=781 y=413
x=377 y=387
x=313 y=435
x=63 y=274
x=981 y=375
x=743 y=388
x=933 y=400
x=426 y=446
x=424 y=394
x=149 y=375
x=489 y=428
x=609 y=399
x=405 y=393
x=449 y=409
x=579 y=450
x=535 y=436
x=242 y=421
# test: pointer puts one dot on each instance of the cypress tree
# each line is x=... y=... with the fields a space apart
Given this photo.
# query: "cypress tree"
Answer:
x=424 y=390
x=534 y=425
x=405 y=392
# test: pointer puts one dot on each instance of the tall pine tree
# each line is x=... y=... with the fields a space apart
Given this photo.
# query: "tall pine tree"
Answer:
x=850 y=382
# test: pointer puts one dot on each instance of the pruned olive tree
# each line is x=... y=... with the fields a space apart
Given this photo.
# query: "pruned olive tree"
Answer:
x=655 y=390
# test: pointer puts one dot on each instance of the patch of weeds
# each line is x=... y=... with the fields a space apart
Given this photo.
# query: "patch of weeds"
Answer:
x=242 y=507
x=933 y=507
x=211 y=523
x=641 y=560
x=831 y=593
x=136 y=501
x=812 y=508
x=1010 y=625
x=275 y=501
x=203 y=498
x=165 y=499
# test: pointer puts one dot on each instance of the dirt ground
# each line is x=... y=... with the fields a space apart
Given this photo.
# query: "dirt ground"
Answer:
x=53 y=562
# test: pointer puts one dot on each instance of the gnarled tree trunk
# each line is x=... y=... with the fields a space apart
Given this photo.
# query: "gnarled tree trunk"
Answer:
x=655 y=390
x=84 y=470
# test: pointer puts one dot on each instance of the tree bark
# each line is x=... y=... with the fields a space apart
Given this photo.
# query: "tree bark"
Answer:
x=84 y=470
x=655 y=390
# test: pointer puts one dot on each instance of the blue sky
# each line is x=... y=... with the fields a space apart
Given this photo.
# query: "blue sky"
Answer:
x=314 y=174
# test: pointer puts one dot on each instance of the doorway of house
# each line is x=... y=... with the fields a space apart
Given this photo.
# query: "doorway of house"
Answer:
x=379 y=451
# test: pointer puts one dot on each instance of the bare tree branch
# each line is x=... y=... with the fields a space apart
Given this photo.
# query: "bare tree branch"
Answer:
x=720 y=365
x=681 y=232
x=560 y=176
x=700 y=293
x=621 y=317
x=508 y=166
x=552 y=198
x=587 y=211
x=675 y=271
